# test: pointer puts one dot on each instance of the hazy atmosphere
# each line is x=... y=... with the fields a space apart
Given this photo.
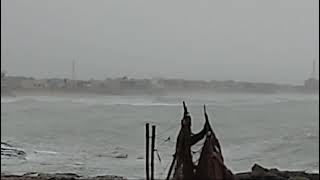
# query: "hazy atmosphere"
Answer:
x=176 y=90
x=247 y=40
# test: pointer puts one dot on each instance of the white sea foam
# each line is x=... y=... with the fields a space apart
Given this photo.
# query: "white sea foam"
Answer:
x=5 y=100
x=45 y=152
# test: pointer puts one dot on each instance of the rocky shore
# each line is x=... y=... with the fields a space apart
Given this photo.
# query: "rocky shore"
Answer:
x=260 y=173
x=57 y=176
x=257 y=173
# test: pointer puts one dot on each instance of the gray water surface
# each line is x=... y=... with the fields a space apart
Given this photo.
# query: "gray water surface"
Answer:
x=80 y=134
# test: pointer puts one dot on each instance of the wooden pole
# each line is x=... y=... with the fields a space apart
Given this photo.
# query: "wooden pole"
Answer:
x=147 y=151
x=153 y=150
x=171 y=167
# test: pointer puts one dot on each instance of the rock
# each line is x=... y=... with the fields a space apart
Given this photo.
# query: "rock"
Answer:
x=10 y=151
x=121 y=156
x=108 y=177
x=31 y=174
x=5 y=144
x=244 y=176
x=140 y=157
x=262 y=173
x=60 y=176
x=298 y=178
x=259 y=172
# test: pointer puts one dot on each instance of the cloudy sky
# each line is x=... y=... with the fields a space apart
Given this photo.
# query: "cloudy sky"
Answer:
x=248 y=40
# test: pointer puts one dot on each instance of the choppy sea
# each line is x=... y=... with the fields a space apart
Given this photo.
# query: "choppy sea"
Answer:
x=87 y=134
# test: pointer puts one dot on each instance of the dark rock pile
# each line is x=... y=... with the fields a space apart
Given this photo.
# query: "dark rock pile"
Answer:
x=260 y=173
x=57 y=176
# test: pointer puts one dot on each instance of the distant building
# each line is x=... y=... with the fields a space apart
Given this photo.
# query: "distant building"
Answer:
x=56 y=83
x=3 y=74
x=33 y=84
x=15 y=82
x=3 y=80
x=311 y=84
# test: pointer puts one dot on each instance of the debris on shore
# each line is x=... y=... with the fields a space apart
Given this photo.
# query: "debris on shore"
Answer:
x=57 y=176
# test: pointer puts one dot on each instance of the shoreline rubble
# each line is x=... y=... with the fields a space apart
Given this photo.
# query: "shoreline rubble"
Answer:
x=58 y=176
x=260 y=173
x=257 y=173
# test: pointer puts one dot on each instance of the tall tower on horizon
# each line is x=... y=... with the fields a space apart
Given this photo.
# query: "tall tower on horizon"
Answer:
x=313 y=73
x=314 y=69
x=312 y=83
x=73 y=70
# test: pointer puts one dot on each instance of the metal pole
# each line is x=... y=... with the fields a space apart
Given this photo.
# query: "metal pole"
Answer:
x=147 y=151
x=152 y=150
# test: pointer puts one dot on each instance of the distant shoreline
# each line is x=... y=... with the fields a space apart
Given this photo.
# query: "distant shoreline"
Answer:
x=19 y=93
x=126 y=86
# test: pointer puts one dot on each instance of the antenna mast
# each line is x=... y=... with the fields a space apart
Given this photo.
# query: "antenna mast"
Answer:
x=314 y=69
x=73 y=70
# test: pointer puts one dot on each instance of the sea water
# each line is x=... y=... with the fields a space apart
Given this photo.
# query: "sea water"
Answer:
x=85 y=134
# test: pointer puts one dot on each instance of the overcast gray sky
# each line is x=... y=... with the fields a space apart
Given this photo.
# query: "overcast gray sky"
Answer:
x=250 y=40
